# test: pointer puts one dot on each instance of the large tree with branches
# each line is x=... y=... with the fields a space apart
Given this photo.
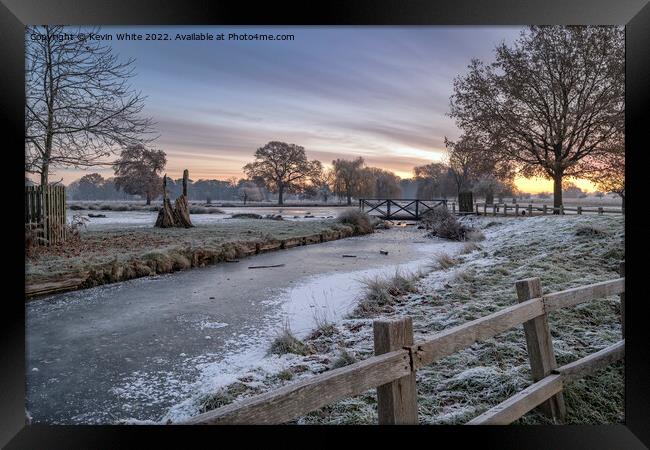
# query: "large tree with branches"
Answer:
x=138 y=169
x=80 y=108
x=552 y=103
x=282 y=167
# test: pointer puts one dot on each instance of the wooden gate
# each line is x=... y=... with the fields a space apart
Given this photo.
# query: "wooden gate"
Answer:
x=45 y=214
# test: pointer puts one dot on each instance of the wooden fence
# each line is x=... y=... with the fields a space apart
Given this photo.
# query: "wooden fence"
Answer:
x=45 y=214
x=397 y=358
x=505 y=209
x=408 y=209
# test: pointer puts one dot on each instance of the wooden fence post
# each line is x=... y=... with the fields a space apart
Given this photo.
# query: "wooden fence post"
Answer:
x=397 y=402
x=505 y=209
x=544 y=210
x=477 y=209
x=517 y=209
x=579 y=210
x=453 y=207
x=540 y=347
x=600 y=210
x=485 y=209
x=494 y=209
x=621 y=271
x=562 y=209
x=530 y=209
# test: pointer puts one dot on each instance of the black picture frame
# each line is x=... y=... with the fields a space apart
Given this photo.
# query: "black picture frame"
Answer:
x=634 y=14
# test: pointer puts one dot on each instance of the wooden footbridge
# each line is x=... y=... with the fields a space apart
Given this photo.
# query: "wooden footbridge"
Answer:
x=404 y=209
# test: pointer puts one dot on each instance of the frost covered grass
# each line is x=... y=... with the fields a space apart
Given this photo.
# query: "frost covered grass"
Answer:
x=382 y=292
x=470 y=247
x=107 y=256
x=344 y=359
x=286 y=342
x=443 y=261
x=463 y=385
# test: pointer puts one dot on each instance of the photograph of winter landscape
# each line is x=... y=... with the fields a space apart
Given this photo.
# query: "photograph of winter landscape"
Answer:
x=324 y=225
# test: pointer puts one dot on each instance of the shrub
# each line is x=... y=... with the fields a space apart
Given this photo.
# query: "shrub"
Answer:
x=382 y=292
x=444 y=225
x=73 y=229
x=323 y=325
x=285 y=342
x=360 y=221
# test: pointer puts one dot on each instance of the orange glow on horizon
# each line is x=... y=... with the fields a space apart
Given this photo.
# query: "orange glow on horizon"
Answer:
x=537 y=184
x=530 y=185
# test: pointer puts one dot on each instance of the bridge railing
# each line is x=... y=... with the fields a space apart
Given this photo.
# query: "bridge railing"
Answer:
x=399 y=208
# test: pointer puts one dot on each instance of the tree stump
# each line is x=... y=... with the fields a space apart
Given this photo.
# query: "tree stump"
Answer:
x=179 y=215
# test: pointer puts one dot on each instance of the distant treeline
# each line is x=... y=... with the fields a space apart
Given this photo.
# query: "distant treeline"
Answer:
x=96 y=187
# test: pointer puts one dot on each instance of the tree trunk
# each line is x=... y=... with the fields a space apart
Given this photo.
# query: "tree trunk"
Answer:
x=281 y=195
x=557 y=192
x=179 y=215
x=44 y=173
x=148 y=199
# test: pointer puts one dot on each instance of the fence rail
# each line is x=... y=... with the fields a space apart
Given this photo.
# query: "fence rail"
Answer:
x=392 y=370
x=45 y=216
x=530 y=209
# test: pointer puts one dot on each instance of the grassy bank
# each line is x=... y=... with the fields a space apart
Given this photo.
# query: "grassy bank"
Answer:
x=563 y=251
x=100 y=257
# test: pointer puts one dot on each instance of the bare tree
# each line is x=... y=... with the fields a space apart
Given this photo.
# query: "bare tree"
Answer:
x=282 y=167
x=79 y=106
x=138 y=169
x=552 y=103
x=347 y=175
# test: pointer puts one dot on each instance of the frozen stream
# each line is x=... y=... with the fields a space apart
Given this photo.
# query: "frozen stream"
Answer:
x=147 y=348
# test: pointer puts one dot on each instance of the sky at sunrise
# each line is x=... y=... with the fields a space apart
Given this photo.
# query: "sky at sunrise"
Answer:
x=340 y=92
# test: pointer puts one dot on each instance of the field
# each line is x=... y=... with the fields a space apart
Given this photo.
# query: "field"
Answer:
x=562 y=251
